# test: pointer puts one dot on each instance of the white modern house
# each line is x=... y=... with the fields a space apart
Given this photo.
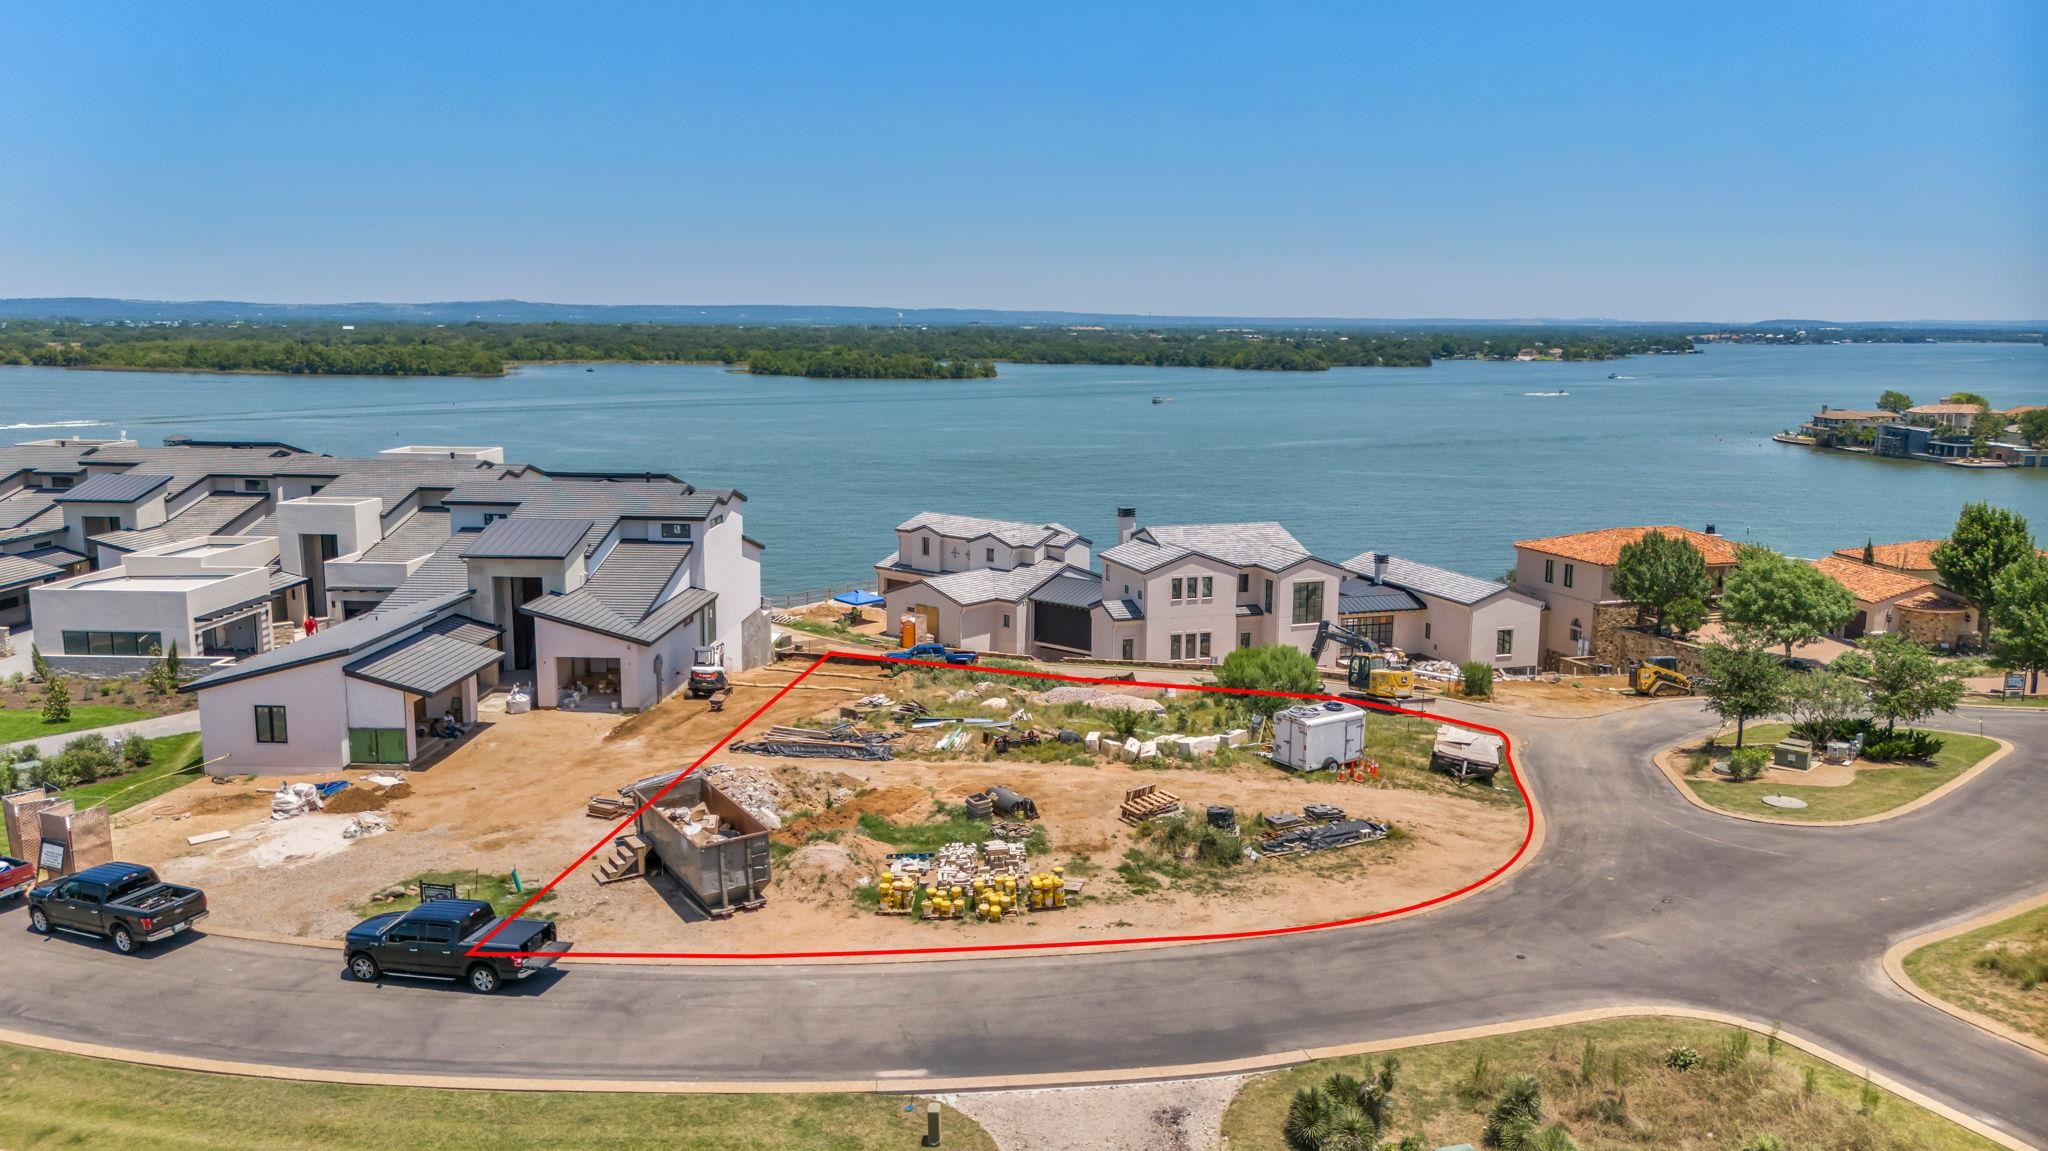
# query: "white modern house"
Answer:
x=213 y=596
x=1458 y=618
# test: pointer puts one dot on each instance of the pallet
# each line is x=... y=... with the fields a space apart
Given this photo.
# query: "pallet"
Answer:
x=609 y=807
x=1147 y=803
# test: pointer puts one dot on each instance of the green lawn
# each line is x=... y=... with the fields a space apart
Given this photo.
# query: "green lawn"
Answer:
x=1734 y=1096
x=1949 y=970
x=1876 y=790
x=49 y=1100
x=20 y=723
x=174 y=760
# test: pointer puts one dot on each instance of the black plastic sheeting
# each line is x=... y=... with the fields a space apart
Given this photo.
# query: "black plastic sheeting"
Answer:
x=1323 y=837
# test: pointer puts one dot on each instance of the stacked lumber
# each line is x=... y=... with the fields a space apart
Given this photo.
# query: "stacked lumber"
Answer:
x=609 y=807
x=1147 y=803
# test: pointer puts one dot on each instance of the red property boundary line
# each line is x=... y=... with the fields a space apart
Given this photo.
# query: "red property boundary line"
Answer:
x=1528 y=836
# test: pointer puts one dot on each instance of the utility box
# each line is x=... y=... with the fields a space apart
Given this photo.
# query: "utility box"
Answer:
x=724 y=869
x=1316 y=738
x=1795 y=754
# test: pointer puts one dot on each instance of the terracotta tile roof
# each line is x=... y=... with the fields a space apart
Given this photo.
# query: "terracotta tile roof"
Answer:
x=1944 y=410
x=2023 y=409
x=1912 y=555
x=1604 y=546
x=1847 y=414
x=1867 y=583
x=1932 y=600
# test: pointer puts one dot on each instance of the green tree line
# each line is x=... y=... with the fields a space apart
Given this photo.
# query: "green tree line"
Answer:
x=485 y=349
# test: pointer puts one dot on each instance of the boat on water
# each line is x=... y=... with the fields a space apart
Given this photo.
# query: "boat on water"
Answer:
x=1160 y=399
x=1546 y=394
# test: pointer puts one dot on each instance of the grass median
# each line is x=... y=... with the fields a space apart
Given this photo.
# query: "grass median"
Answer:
x=1613 y=1085
x=1999 y=971
x=1877 y=788
x=53 y=1100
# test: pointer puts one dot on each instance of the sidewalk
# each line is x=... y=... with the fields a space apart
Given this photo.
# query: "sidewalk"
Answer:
x=177 y=724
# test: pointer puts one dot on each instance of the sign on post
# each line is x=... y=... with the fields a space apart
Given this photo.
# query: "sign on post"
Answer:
x=52 y=857
x=2015 y=684
x=436 y=891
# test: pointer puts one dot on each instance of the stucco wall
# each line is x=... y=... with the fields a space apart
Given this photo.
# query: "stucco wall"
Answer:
x=316 y=721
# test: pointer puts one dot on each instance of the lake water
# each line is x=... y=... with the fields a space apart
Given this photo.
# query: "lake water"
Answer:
x=1447 y=465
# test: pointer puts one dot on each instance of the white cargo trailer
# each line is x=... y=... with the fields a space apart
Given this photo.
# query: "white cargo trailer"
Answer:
x=1317 y=738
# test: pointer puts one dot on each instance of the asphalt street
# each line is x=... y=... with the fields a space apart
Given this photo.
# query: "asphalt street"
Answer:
x=1636 y=897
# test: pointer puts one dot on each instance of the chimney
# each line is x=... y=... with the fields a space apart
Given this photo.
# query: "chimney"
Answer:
x=1710 y=530
x=1126 y=524
x=1379 y=567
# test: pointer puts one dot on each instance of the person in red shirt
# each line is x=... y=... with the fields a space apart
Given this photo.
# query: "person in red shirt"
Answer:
x=312 y=625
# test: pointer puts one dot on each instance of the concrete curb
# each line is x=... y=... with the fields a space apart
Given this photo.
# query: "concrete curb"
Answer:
x=1895 y=967
x=886 y=1083
x=1678 y=781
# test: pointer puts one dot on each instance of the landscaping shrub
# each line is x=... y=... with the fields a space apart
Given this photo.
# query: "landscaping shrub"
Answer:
x=1746 y=763
x=1898 y=745
x=1515 y=1113
x=1122 y=721
x=1476 y=678
x=135 y=752
x=56 y=700
x=1682 y=1059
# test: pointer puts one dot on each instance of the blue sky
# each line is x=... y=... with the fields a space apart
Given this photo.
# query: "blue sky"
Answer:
x=1720 y=161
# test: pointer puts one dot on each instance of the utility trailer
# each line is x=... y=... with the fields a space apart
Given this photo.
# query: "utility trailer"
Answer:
x=1463 y=753
x=1319 y=737
x=724 y=872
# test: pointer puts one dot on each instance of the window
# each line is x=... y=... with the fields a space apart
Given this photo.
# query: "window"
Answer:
x=492 y=517
x=60 y=482
x=1205 y=645
x=1244 y=582
x=1174 y=646
x=924 y=545
x=1129 y=655
x=1244 y=639
x=270 y=724
x=675 y=531
x=7 y=602
x=1208 y=587
x=1425 y=629
x=1308 y=601
x=1575 y=631
x=403 y=932
x=1377 y=628
x=437 y=933
x=1006 y=619
x=110 y=642
x=1269 y=597
x=707 y=628
x=1567 y=575
x=1176 y=589
x=1504 y=641
x=253 y=486
x=1549 y=571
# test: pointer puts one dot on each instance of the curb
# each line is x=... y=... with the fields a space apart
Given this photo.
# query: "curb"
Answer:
x=1895 y=967
x=905 y=1085
x=1678 y=781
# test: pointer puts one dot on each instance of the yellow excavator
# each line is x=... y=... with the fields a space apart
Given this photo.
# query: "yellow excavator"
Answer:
x=1372 y=674
x=1659 y=675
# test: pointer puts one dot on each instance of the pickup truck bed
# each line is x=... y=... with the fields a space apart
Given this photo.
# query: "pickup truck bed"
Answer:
x=16 y=877
x=123 y=902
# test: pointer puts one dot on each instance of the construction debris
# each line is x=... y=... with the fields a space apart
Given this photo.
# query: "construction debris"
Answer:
x=1322 y=837
x=291 y=800
x=819 y=745
x=869 y=702
x=1323 y=812
x=753 y=790
x=209 y=837
x=609 y=807
x=365 y=825
x=1147 y=803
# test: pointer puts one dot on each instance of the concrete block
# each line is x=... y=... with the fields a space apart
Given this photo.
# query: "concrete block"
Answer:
x=1129 y=751
x=1204 y=746
x=1237 y=737
x=1092 y=741
x=1149 y=749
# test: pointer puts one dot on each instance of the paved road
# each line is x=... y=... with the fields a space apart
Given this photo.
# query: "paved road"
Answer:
x=176 y=723
x=1637 y=897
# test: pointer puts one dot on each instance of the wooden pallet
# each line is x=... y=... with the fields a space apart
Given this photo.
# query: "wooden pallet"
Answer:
x=609 y=807
x=1146 y=803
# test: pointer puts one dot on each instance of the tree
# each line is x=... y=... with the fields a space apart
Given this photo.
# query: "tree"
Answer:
x=37 y=663
x=1854 y=664
x=2034 y=426
x=1906 y=681
x=1515 y=1113
x=1684 y=616
x=1821 y=704
x=1985 y=427
x=2019 y=624
x=1743 y=681
x=1658 y=570
x=1966 y=398
x=1870 y=551
x=1894 y=400
x=1986 y=541
x=56 y=700
x=1275 y=667
x=1774 y=600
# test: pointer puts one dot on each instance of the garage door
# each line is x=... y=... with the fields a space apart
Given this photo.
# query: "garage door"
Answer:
x=376 y=745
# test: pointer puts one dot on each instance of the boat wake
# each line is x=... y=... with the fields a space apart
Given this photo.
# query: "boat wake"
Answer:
x=1546 y=393
x=53 y=424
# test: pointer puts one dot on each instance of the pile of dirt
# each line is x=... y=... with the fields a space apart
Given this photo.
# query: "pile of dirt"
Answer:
x=833 y=867
x=219 y=804
x=889 y=802
x=358 y=798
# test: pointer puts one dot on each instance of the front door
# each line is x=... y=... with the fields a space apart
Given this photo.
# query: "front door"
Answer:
x=1856 y=626
x=1130 y=650
x=438 y=954
x=525 y=590
x=376 y=745
x=78 y=906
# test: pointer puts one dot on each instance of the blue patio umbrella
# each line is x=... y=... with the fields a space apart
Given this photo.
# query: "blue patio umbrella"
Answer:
x=859 y=597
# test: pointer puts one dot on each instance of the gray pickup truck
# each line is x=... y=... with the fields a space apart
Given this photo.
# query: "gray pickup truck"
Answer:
x=122 y=902
x=452 y=939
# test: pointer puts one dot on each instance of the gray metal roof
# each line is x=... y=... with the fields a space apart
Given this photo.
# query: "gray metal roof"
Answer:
x=1012 y=532
x=529 y=537
x=1431 y=581
x=621 y=597
x=419 y=534
x=54 y=556
x=120 y=488
x=1071 y=589
x=444 y=573
x=18 y=570
x=350 y=636
x=1123 y=610
x=220 y=513
x=468 y=629
x=423 y=663
x=1261 y=544
x=603 y=502
x=1364 y=597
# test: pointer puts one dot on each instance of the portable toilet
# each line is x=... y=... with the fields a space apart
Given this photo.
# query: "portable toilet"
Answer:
x=1312 y=738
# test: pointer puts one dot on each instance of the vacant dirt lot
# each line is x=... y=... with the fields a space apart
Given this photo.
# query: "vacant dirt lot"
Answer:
x=513 y=797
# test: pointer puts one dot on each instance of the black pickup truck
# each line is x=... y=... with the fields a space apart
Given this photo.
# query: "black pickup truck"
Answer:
x=435 y=939
x=123 y=902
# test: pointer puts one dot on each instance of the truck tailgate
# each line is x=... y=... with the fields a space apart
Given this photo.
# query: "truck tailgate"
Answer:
x=549 y=952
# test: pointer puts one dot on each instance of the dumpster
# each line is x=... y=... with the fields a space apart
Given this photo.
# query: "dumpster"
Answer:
x=713 y=846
